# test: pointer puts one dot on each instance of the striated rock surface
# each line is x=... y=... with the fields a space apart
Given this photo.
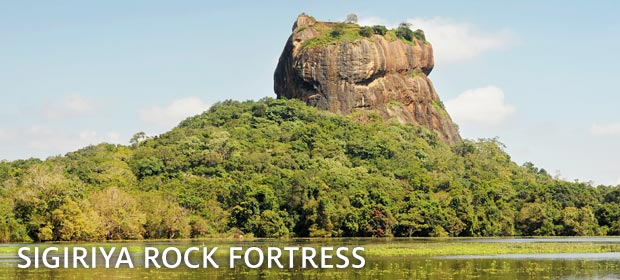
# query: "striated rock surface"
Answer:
x=380 y=73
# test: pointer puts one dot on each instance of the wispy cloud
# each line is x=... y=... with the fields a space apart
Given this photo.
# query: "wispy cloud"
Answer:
x=67 y=106
x=453 y=41
x=44 y=140
x=171 y=114
x=53 y=140
x=605 y=129
x=481 y=106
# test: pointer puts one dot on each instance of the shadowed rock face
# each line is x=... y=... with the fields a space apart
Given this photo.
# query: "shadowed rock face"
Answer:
x=383 y=75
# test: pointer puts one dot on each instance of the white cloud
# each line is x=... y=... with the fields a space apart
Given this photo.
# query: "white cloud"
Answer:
x=41 y=138
x=78 y=104
x=452 y=41
x=58 y=141
x=67 y=106
x=44 y=141
x=483 y=106
x=88 y=135
x=370 y=21
x=173 y=113
x=114 y=137
x=608 y=129
x=458 y=41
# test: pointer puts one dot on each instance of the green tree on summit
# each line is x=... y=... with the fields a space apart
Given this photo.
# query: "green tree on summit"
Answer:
x=351 y=18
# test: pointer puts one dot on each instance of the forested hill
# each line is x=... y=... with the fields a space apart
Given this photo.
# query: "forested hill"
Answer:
x=278 y=168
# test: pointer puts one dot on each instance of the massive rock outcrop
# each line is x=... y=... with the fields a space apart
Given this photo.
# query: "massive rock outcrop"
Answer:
x=349 y=72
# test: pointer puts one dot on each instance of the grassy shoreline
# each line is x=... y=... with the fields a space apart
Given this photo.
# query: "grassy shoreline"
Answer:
x=462 y=249
x=426 y=247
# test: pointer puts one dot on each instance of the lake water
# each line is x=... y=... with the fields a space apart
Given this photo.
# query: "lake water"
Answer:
x=603 y=262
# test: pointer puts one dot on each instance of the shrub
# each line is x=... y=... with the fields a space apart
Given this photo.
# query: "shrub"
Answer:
x=419 y=34
x=338 y=30
x=380 y=29
x=404 y=32
x=366 y=31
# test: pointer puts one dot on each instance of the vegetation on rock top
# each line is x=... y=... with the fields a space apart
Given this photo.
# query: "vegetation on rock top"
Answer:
x=331 y=33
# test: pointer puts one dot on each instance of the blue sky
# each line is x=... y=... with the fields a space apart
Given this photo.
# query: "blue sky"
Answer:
x=540 y=76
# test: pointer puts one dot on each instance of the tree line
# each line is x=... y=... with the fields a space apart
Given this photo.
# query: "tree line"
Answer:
x=279 y=168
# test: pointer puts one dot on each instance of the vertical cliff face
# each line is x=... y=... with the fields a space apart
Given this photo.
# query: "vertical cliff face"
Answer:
x=333 y=67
